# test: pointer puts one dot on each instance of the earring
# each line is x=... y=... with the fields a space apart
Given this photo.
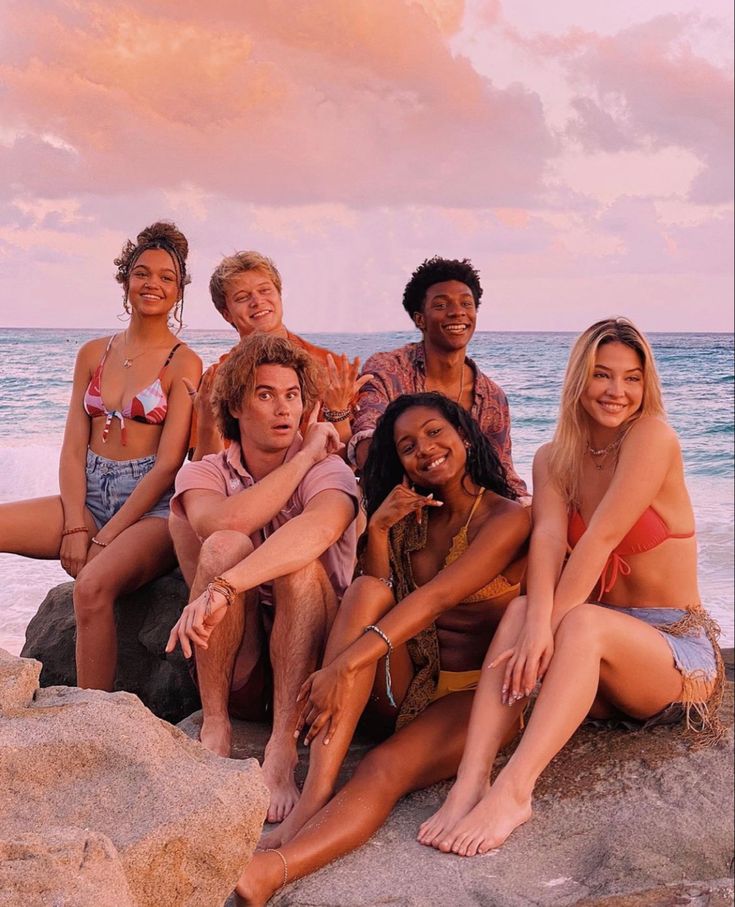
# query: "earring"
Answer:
x=467 y=445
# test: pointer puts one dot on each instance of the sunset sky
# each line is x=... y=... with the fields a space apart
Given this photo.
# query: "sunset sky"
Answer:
x=580 y=153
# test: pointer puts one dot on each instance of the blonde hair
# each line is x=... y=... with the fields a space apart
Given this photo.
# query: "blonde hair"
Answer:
x=571 y=438
x=235 y=378
x=239 y=263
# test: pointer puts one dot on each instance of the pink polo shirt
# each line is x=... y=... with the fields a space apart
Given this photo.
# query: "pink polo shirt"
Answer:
x=226 y=474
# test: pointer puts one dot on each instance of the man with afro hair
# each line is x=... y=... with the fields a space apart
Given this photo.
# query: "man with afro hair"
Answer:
x=442 y=298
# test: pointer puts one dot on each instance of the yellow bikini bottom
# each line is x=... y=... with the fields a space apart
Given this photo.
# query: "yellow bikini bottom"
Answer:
x=455 y=682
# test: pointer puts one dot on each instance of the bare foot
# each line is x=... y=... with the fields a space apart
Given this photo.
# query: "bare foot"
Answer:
x=489 y=823
x=460 y=800
x=216 y=735
x=260 y=881
x=278 y=768
x=307 y=806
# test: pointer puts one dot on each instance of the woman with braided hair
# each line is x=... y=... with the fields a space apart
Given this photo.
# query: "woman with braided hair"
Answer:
x=125 y=438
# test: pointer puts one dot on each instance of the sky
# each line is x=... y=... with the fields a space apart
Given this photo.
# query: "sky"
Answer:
x=579 y=153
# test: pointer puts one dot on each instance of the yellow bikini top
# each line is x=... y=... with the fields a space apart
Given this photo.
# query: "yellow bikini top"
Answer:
x=496 y=587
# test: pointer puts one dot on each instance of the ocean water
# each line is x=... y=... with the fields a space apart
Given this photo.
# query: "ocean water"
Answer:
x=696 y=372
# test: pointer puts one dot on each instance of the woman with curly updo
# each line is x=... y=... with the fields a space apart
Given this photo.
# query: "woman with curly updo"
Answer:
x=125 y=438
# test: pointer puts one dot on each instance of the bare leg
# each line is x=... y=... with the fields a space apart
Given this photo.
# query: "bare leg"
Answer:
x=365 y=602
x=423 y=752
x=33 y=528
x=631 y=666
x=215 y=664
x=187 y=547
x=305 y=606
x=140 y=553
x=489 y=730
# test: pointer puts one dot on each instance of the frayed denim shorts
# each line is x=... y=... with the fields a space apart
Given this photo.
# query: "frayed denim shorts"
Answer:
x=111 y=482
x=693 y=653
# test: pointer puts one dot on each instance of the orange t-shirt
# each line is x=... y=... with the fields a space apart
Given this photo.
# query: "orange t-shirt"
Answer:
x=316 y=352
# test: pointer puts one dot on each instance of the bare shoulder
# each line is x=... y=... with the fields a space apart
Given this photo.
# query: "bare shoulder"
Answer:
x=185 y=361
x=91 y=352
x=499 y=509
x=541 y=459
x=651 y=431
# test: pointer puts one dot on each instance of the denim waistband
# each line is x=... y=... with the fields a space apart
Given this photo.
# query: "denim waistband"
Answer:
x=135 y=468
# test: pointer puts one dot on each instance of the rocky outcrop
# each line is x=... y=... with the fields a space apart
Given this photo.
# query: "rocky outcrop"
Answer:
x=144 y=620
x=621 y=818
x=103 y=803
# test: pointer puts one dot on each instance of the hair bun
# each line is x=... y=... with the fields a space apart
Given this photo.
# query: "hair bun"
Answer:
x=169 y=233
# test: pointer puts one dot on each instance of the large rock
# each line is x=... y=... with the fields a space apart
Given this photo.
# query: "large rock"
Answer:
x=70 y=866
x=621 y=819
x=144 y=620
x=95 y=788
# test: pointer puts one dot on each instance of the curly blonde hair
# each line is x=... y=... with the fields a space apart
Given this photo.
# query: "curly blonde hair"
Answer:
x=572 y=431
x=235 y=378
x=239 y=263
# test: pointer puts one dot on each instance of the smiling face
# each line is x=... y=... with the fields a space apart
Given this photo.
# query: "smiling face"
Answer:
x=153 y=283
x=448 y=317
x=253 y=303
x=429 y=447
x=614 y=391
x=270 y=418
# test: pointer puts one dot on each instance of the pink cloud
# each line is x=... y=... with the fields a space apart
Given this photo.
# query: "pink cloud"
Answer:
x=274 y=102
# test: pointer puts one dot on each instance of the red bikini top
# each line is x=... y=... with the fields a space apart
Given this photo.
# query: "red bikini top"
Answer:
x=647 y=533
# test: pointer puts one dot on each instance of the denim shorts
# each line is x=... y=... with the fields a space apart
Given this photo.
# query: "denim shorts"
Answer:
x=111 y=482
x=693 y=655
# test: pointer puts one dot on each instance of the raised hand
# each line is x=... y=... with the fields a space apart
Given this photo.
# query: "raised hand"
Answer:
x=343 y=385
x=401 y=501
x=320 y=438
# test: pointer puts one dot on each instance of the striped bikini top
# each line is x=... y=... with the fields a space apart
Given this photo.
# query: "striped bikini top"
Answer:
x=148 y=405
x=497 y=587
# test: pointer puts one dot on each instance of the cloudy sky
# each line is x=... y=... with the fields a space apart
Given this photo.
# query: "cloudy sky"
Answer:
x=580 y=153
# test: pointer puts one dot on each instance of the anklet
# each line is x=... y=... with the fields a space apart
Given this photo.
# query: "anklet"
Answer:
x=285 y=867
x=388 y=684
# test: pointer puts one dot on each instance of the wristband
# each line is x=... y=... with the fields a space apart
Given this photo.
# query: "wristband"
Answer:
x=336 y=415
x=72 y=531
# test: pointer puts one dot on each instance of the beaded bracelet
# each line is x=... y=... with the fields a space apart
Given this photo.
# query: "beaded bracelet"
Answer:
x=75 y=529
x=388 y=684
x=337 y=415
x=96 y=541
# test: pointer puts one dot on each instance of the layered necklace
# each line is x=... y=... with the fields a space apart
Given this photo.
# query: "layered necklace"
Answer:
x=600 y=454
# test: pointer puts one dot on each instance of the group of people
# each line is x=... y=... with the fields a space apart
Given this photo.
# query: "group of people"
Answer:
x=359 y=547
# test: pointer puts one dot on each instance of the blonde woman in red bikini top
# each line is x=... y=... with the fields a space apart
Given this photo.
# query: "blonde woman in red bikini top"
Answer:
x=125 y=439
x=612 y=622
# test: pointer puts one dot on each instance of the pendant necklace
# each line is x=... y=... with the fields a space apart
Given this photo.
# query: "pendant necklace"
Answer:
x=129 y=360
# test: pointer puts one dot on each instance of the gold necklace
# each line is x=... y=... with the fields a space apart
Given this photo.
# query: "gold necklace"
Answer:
x=129 y=360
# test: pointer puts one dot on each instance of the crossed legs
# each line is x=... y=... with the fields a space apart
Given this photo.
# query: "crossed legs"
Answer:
x=601 y=659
